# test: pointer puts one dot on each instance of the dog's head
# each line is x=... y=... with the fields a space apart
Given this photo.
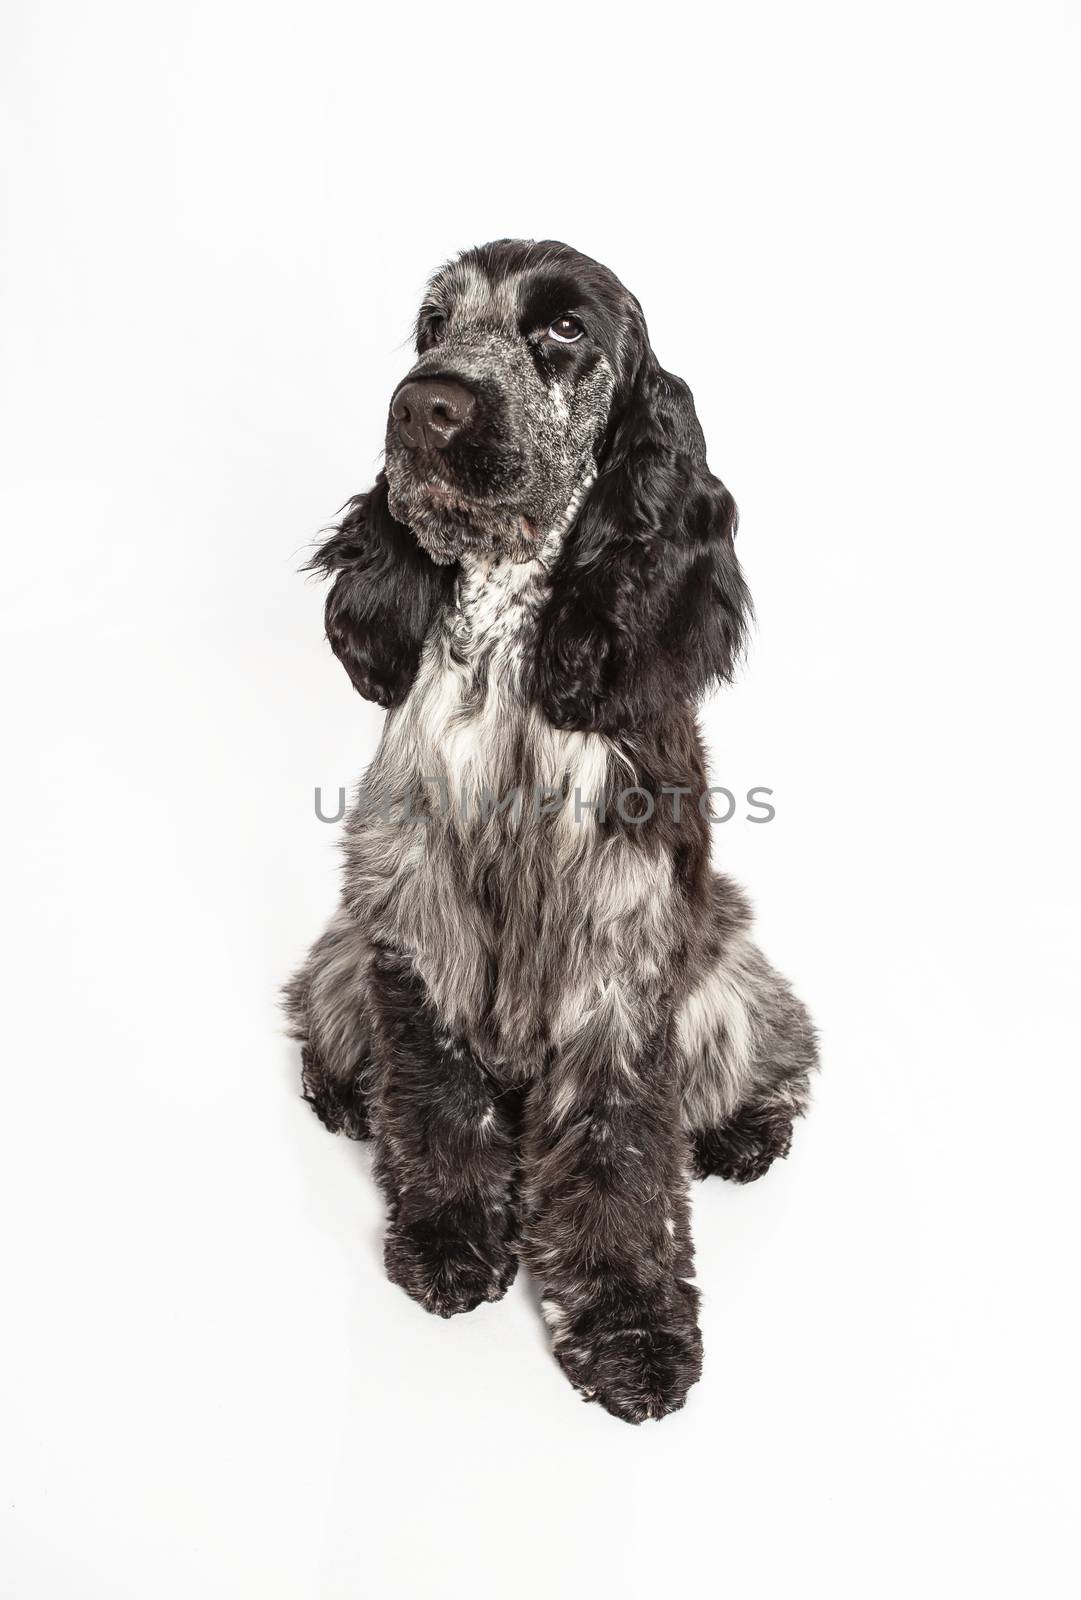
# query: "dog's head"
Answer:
x=536 y=405
x=492 y=436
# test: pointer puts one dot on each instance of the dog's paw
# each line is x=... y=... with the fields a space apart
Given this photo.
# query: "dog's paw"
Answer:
x=638 y=1366
x=445 y=1271
x=339 y=1106
x=743 y=1148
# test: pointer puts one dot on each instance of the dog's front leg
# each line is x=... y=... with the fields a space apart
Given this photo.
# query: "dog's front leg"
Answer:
x=606 y=1230
x=445 y=1153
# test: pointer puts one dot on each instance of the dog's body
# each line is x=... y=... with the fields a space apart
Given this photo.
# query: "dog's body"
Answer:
x=537 y=997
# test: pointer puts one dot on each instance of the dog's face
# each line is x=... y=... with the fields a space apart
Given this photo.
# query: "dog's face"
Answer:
x=492 y=437
x=536 y=405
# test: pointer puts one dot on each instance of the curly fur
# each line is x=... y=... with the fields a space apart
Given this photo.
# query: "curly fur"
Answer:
x=546 y=1016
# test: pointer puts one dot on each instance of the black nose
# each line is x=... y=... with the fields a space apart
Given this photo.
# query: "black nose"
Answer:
x=430 y=411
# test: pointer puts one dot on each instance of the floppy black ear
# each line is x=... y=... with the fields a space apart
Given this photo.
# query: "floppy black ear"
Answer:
x=648 y=605
x=386 y=595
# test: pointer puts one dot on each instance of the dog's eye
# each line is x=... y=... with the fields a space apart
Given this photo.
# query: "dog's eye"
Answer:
x=435 y=326
x=565 y=330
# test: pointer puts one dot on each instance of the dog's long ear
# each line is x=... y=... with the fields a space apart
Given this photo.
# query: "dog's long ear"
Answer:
x=648 y=603
x=386 y=594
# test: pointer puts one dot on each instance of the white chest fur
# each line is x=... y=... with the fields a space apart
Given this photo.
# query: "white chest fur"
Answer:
x=497 y=602
x=469 y=727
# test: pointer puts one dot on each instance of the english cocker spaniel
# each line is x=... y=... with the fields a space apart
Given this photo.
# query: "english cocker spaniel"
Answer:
x=537 y=998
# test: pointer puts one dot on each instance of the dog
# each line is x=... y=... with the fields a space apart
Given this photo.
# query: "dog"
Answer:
x=537 y=999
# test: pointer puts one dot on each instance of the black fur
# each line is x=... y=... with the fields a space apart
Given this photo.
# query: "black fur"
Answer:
x=649 y=608
x=386 y=593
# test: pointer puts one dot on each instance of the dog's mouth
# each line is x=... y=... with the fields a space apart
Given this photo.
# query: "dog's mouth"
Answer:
x=473 y=514
x=451 y=502
x=450 y=523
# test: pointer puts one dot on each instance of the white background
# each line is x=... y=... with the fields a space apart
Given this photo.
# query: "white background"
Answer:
x=854 y=229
